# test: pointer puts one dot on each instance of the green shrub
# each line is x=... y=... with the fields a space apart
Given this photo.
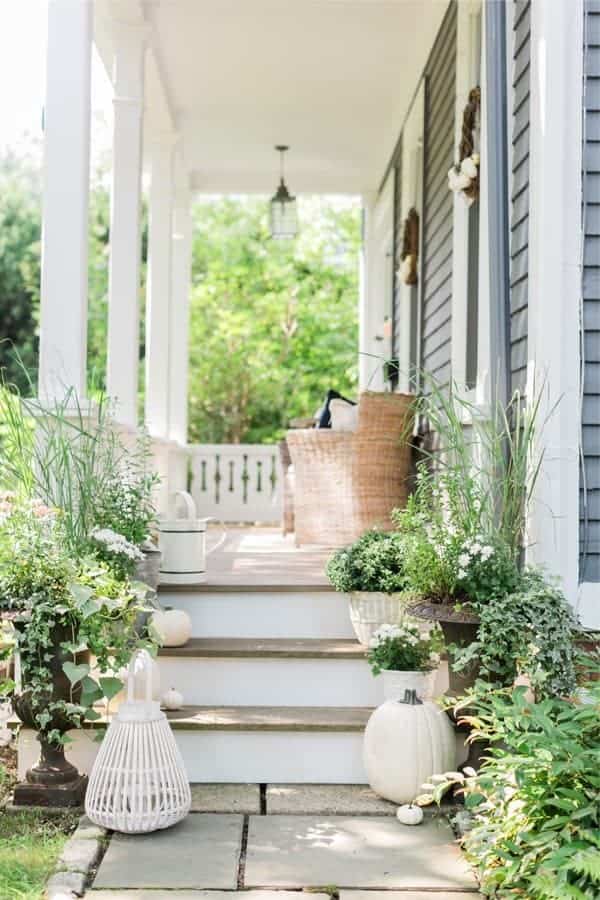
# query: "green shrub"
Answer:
x=375 y=562
x=536 y=800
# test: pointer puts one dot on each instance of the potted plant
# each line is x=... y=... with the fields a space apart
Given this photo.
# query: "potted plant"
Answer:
x=407 y=659
x=67 y=615
x=371 y=571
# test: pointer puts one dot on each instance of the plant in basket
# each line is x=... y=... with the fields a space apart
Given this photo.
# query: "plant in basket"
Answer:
x=73 y=628
x=407 y=656
x=372 y=572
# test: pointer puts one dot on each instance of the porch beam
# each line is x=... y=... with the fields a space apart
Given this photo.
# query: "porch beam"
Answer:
x=555 y=280
x=64 y=278
x=125 y=248
x=158 y=287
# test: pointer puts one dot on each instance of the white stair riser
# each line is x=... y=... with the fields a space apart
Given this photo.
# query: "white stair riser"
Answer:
x=241 y=756
x=318 y=614
x=272 y=682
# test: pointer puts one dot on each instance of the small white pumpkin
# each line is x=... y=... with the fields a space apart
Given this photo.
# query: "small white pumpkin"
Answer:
x=404 y=743
x=172 y=699
x=173 y=626
x=409 y=814
x=6 y=737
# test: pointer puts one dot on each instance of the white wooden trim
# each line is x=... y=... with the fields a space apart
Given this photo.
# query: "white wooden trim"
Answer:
x=237 y=482
x=125 y=202
x=588 y=604
x=372 y=302
x=467 y=70
x=158 y=288
x=555 y=278
x=64 y=281
x=179 y=313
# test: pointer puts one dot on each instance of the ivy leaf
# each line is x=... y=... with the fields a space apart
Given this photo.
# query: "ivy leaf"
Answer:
x=75 y=673
x=90 y=692
x=110 y=686
x=92 y=715
x=80 y=593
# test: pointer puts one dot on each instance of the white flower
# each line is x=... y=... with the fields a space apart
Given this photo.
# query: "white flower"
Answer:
x=462 y=574
x=464 y=560
x=463 y=181
x=116 y=543
x=468 y=167
x=452 y=179
x=486 y=552
x=476 y=547
x=475 y=158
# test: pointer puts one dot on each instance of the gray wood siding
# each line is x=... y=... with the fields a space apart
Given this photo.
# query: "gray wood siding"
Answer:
x=590 y=475
x=519 y=225
x=436 y=277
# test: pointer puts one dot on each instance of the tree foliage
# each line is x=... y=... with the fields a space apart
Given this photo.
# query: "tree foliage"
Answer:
x=273 y=323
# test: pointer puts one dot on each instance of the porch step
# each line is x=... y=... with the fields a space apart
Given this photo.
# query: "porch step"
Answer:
x=232 y=744
x=283 y=613
x=268 y=648
x=320 y=672
x=270 y=718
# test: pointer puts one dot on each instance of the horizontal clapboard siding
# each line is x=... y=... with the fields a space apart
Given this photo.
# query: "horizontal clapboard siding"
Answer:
x=436 y=279
x=590 y=474
x=519 y=225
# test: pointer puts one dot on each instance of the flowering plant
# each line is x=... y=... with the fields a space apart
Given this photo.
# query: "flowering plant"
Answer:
x=405 y=648
x=375 y=562
x=450 y=553
x=116 y=550
x=63 y=613
x=463 y=178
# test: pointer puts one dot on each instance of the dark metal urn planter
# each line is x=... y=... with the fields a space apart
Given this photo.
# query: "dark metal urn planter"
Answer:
x=52 y=781
x=459 y=627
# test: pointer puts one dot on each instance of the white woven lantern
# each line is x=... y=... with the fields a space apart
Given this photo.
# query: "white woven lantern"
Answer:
x=138 y=782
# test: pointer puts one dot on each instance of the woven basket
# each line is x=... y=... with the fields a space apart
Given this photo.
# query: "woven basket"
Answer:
x=287 y=517
x=348 y=482
x=369 y=610
x=138 y=782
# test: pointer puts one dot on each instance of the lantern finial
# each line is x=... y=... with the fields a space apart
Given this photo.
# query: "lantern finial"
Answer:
x=284 y=217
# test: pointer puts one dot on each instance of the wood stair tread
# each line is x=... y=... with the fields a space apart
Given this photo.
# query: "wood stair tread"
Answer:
x=267 y=648
x=270 y=718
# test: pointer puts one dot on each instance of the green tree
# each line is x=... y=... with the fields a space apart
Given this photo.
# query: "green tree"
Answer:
x=273 y=323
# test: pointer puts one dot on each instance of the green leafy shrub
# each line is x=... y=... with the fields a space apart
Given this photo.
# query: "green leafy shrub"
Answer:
x=536 y=800
x=375 y=562
x=405 y=648
x=528 y=631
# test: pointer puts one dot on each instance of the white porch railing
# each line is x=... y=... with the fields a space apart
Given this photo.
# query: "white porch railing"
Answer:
x=237 y=482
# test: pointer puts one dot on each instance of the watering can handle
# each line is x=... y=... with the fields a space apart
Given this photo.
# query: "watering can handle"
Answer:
x=190 y=506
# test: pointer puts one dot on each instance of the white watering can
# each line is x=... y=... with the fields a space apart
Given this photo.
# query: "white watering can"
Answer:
x=182 y=541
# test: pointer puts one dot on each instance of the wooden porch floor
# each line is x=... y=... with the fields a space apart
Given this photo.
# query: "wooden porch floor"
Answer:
x=259 y=557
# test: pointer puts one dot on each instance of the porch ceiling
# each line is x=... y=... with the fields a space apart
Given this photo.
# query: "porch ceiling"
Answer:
x=331 y=78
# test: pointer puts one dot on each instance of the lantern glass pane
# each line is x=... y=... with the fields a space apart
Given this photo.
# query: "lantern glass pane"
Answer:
x=284 y=219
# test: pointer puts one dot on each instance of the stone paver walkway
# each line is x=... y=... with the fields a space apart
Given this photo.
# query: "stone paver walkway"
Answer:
x=348 y=844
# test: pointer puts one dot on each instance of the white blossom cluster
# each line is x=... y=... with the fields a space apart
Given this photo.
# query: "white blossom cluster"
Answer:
x=472 y=551
x=116 y=544
x=406 y=633
x=462 y=176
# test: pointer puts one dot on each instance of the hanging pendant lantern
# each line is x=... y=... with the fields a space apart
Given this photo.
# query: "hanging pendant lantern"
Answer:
x=284 y=214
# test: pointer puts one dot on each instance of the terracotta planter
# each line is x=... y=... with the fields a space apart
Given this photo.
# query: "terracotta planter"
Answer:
x=460 y=627
x=52 y=781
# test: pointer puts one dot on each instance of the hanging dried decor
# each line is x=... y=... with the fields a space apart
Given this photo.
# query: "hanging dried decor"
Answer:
x=463 y=177
x=409 y=257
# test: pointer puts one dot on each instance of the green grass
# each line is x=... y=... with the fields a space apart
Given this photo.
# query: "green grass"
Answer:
x=30 y=844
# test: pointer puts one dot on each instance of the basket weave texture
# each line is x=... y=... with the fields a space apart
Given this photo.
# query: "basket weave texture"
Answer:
x=348 y=482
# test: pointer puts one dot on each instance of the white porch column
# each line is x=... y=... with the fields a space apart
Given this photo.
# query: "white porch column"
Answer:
x=371 y=310
x=124 y=264
x=554 y=279
x=158 y=290
x=179 y=319
x=63 y=325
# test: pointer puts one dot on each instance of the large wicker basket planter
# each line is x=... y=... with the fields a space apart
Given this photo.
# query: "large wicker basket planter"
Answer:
x=369 y=610
x=348 y=482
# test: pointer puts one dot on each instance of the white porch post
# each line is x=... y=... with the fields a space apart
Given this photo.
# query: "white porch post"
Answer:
x=158 y=290
x=124 y=265
x=63 y=326
x=371 y=307
x=179 y=318
x=554 y=278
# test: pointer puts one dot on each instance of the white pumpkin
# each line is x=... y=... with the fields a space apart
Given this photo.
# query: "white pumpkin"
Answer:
x=172 y=699
x=403 y=745
x=173 y=626
x=6 y=737
x=409 y=814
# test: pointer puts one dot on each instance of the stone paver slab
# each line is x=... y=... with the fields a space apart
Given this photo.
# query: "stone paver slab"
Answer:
x=226 y=798
x=203 y=851
x=373 y=852
x=408 y=895
x=326 y=799
x=204 y=895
